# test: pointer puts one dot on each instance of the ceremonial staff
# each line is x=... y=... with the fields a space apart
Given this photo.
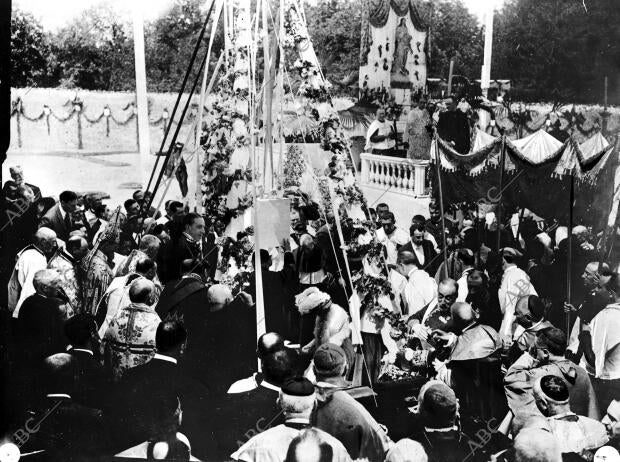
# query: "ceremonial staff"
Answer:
x=144 y=209
x=441 y=209
x=569 y=261
x=502 y=161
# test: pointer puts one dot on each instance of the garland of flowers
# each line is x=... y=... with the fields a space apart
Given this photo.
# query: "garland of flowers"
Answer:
x=313 y=86
x=372 y=288
x=221 y=139
x=294 y=167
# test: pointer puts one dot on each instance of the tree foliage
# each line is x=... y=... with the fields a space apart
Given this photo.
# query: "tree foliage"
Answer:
x=558 y=50
x=170 y=41
x=94 y=51
x=455 y=33
x=335 y=28
x=30 y=47
x=555 y=50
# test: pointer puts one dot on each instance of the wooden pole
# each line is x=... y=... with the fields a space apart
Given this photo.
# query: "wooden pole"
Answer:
x=281 y=87
x=502 y=161
x=141 y=98
x=267 y=116
x=450 y=77
x=485 y=78
x=441 y=210
x=606 y=83
x=569 y=260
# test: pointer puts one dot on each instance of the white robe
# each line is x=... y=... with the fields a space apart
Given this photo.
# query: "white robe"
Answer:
x=29 y=261
x=385 y=128
x=515 y=284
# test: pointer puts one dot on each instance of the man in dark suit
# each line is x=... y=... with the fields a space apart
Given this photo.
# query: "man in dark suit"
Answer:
x=81 y=331
x=39 y=322
x=192 y=245
x=10 y=188
x=243 y=415
x=66 y=430
x=453 y=127
x=162 y=377
x=59 y=217
x=423 y=249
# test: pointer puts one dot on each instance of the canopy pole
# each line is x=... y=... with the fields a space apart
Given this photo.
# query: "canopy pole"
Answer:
x=521 y=213
x=502 y=161
x=451 y=72
x=441 y=210
x=569 y=261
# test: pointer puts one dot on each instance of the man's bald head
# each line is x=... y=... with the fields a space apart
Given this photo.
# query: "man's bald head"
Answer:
x=149 y=244
x=535 y=445
x=219 y=296
x=529 y=310
x=405 y=262
x=60 y=372
x=268 y=343
x=46 y=282
x=77 y=246
x=142 y=291
x=462 y=314
x=45 y=240
x=146 y=266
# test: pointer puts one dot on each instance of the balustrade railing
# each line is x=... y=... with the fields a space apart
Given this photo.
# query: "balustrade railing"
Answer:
x=399 y=175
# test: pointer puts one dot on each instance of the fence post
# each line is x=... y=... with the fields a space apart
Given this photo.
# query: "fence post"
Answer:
x=78 y=108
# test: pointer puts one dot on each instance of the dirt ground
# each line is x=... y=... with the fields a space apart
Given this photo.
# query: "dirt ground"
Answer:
x=117 y=174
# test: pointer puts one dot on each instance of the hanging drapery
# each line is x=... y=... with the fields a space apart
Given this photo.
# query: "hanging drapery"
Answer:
x=485 y=149
x=379 y=11
x=538 y=164
x=537 y=148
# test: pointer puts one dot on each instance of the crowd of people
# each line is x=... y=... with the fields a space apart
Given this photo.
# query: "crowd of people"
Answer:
x=126 y=338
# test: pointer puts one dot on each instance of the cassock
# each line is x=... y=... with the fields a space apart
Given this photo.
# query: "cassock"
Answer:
x=281 y=316
x=242 y=415
x=162 y=377
x=476 y=372
x=453 y=126
x=65 y=264
x=93 y=381
x=225 y=350
x=41 y=332
x=186 y=296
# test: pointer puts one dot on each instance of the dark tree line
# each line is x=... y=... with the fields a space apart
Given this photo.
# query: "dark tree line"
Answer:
x=553 y=50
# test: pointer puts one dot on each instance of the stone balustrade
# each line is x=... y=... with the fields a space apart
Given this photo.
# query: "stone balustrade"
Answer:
x=405 y=176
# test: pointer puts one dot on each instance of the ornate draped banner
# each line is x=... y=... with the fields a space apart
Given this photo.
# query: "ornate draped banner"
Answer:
x=393 y=45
